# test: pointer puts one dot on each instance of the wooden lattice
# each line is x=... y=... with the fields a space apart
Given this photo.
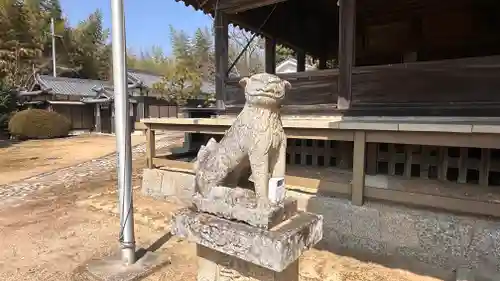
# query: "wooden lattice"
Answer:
x=455 y=164
x=319 y=153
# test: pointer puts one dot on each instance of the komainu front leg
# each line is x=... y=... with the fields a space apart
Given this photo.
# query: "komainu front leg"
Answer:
x=279 y=168
x=259 y=163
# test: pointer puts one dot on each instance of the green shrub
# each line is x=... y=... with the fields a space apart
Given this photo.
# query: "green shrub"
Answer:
x=38 y=124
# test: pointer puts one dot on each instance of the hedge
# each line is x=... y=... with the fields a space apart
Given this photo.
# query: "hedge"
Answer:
x=38 y=124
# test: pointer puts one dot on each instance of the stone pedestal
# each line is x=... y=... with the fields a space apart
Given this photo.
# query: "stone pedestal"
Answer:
x=230 y=250
x=216 y=266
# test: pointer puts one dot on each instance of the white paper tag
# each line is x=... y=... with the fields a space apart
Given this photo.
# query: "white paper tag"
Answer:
x=277 y=190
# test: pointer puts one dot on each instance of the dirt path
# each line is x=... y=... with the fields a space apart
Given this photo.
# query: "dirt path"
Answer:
x=73 y=176
x=58 y=229
x=28 y=158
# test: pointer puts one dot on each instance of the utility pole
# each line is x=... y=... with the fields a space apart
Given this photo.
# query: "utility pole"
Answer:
x=53 y=34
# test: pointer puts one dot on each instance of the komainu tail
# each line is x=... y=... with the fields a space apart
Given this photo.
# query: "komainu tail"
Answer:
x=204 y=152
x=200 y=165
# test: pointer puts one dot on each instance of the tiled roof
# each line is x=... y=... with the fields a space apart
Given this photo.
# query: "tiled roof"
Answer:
x=71 y=86
x=147 y=79
x=90 y=88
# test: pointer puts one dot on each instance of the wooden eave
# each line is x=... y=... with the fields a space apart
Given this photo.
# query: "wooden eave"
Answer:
x=296 y=33
x=312 y=26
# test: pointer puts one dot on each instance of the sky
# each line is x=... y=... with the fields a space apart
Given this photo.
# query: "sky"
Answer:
x=146 y=21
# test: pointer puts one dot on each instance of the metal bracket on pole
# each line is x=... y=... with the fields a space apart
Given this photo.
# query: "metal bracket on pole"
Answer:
x=123 y=141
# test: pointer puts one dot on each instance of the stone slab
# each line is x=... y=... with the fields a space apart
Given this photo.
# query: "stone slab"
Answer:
x=216 y=266
x=465 y=274
x=273 y=249
x=170 y=185
x=241 y=205
x=113 y=269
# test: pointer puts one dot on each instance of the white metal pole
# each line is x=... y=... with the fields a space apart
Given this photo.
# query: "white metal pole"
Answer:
x=53 y=34
x=122 y=130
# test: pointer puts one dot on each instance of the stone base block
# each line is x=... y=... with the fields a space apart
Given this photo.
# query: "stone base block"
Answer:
x=241 y=205
x=216 y=266
x=274 y=249
x=175 y=186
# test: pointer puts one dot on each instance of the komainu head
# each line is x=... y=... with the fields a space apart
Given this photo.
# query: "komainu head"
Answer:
x=264 y=89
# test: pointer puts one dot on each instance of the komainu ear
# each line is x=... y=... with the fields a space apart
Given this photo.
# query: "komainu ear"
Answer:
x=287 y=85
x=243 y=81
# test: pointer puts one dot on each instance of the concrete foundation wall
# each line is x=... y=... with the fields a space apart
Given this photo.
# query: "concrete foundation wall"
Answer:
x=174 y=186
x=377 y=231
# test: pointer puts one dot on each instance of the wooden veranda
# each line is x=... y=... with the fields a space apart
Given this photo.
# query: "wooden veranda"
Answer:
x=410 y=115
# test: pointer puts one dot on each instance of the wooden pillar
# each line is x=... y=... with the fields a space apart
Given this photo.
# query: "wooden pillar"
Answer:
x=322 y=63
x=146 y=107
x=98 y=122
x=222 y=57
x=358 y=168
x=140 y=108
x=150 y=146
x=371 y=158
x=301 y=61
x=416 y=39
x=347 y=28
x=112 y=112
x=270 y=55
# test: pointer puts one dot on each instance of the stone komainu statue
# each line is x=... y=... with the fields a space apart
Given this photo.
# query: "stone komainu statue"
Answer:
x=256 y=140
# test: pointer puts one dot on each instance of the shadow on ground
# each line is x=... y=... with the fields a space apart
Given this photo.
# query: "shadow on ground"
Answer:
x=155 y=246
x=5 y=140
x=109 y=268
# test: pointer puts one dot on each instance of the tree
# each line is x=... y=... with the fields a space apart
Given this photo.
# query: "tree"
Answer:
x=252 y=60
x=283 y=53
x=21 y=41
x=153 y=60
x=53 y=7
x=25 y=42
x=203 y=53
x=192 y=62
x=179 y=84
x=7 y=104
x=181 y=46
x=88 y=48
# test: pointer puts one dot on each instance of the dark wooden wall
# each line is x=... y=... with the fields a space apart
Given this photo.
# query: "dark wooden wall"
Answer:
x=160 y=108
x=463 y=83
x=447 y=81
x=80 y=116
x=434 y=30
x=308 y=88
